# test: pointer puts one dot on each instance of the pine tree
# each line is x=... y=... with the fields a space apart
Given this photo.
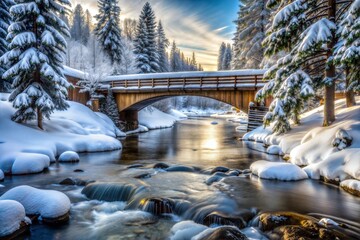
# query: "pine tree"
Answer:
x=88 y=26
x=347 y=53
x=35 y=57
x=162 y=45
x=5 y=21
x=307 y=32
x=175 y=60
x=108 y=31
x=221 y=56
x=251 y=28
x=145 y=42
x=111 y=109
x=193 y=63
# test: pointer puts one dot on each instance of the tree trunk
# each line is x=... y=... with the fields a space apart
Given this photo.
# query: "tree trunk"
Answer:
x=39 y=118
x=349 y=95
x=329 y=107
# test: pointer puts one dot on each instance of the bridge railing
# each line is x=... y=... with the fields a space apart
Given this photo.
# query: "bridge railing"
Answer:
x=190 y=82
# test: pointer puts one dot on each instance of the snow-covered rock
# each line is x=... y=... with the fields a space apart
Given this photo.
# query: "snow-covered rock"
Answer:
x=352 y=186
x=76 y=129
x=2 y=176
x=153 y=118
x=186 y=230
x=12 y=214
x=328 y=222
x=48 y=204
x=28 y=163
x=69 y=156
x=274 y=150
x=278 y=171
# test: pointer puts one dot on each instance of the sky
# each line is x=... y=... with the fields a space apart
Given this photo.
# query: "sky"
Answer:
x=196 y=25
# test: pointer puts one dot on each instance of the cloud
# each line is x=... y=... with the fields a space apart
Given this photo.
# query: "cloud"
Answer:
x=185 y=25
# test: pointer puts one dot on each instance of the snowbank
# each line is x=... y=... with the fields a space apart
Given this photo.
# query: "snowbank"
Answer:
x=177 y=114
x=46 y=203
x=278 y=171
x=77 y=129
x=153 y=118
x=140 y=129
x=12 y=214
x=311 y=145
x=352 y=186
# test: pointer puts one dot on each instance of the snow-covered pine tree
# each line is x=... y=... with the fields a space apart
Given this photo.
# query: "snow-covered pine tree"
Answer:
x=162 y=45
x=5 y=21
x=111 y=109
x=253 y=17
x=221 y=56
x=145 y=42
x=193 y=63
x=35 y=59
x=108 y=31
x=347 y=53
x=226 y=62
x=306 y=30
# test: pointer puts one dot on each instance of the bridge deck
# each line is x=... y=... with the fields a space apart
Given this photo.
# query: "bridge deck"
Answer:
x=187 y=81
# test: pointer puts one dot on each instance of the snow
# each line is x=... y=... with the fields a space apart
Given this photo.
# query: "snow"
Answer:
x=327 y=222
x=27 y=163
x=311 y=145
x=278 y=171
x=77 y=129
x=69 y=156
x=46 y=203
x=153 y=118
x=177 y=114
x=71 y=72
x=274 y=150
x=109 y=122
x=140 y=129
x=1 y=175
x=180 y=75
x=12 y=214
x=351 y=184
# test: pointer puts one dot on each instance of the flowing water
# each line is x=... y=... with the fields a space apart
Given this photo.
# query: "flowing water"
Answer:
x=194 y=146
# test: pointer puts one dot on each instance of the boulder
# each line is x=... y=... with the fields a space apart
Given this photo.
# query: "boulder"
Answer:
x=157 y=206
x=223 y=233
x=161 y=165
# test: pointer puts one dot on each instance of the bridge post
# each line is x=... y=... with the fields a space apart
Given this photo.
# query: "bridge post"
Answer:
x=130 y=117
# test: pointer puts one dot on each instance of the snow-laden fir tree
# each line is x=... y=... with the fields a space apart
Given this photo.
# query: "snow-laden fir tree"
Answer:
x=253 y=18
x=347 y=52
x=221 y=56
x=145 y=42
x=111 y=109
x=108 y=31
x=306 y=31
x=35 y=59
x=162 y=45
x=227 y=57
x=5 y=21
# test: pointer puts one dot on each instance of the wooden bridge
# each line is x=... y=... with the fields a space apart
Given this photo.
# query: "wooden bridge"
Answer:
x=135 y=92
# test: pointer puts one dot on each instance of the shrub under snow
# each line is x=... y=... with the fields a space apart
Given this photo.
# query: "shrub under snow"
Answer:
x=46 y=203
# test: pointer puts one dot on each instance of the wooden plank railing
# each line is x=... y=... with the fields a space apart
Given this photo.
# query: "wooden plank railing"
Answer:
x=236 y=82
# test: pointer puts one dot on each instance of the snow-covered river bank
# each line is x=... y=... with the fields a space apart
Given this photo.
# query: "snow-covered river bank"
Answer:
x=186 y=156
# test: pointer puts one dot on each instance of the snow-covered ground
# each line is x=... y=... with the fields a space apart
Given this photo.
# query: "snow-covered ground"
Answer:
x=312 y=146
x=153 y=118
x=26 y=149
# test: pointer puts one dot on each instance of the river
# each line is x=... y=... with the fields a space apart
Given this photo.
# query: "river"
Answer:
x=196 y=143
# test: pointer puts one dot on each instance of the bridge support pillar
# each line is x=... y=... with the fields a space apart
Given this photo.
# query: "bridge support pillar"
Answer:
x=130 y=118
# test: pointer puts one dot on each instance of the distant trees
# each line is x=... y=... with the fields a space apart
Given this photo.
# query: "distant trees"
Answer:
x=162 y=44
x=129 y=29
x=35 y=59
x=225 y=57
x=178 y=62
x=253 y=18
x=79 y=30
x=108 y=31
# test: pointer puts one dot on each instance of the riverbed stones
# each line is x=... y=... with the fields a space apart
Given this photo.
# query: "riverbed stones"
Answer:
x=75 y=182
x=220 y=169
x=180 y=169
x=160 y=165
x=135 y=166
x=223 y=233
x=157 y=206
x=218 y=218
x=269 y=221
